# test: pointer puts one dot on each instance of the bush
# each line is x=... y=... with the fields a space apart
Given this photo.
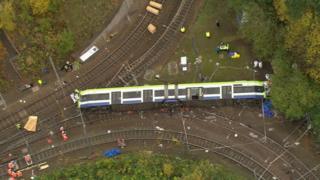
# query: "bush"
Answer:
x=65 y=43
x=144 y=166
x=39 y=6
x=7 y=15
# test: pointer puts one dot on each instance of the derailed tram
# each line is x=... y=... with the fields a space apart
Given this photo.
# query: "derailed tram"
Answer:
x=171 y=92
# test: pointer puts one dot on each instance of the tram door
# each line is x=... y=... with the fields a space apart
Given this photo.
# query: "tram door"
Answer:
x=194 y=93
x=116 y=97
x=147 y=95
x=226 y=92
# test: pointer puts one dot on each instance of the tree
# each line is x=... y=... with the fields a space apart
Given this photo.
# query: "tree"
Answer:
x=3 y=52
x=292 y=92
x=312 y=52
x=281 y=9
x=295 y=37
x=39 y=6
x=167 y=169
x=265 y=40
x=296 y=8
x=7 y=15
x=65 y=42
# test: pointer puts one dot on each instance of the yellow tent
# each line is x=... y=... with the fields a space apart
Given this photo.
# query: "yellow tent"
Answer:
x=152 y=28
x=31 y=124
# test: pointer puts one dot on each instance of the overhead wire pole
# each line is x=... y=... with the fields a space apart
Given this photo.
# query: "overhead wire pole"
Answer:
x=185 y=132
x=85 y=132
x=83 y=123
x=3 y=102
x=264 y=123
x=57 y=76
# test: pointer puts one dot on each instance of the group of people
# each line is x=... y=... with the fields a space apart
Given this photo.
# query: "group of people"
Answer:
x=67 y=67
x=183 y=29
x=257 y=64
x=12 y=166
x=63 y=134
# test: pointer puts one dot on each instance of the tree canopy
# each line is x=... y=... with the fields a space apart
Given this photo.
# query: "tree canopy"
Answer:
x=145 y=166
x=39 y=6
x=7 y=15
x=287 y=34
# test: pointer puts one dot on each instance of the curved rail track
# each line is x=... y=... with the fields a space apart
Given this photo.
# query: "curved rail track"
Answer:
x=271 y=146
x=138 y=66
x=100 y=68
x=149 y=134
x=289 y=158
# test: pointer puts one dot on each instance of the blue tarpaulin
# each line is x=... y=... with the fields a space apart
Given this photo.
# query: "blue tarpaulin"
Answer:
x=112 y=152
x=267 y=109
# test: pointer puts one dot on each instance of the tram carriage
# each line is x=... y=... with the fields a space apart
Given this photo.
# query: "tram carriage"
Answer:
x=171 y=92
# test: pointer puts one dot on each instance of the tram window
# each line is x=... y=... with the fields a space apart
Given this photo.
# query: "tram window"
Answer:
x=182 y=92
x=171 y=92
x=103 y=96
x=215 y=90
x=259 y=88
x=94 y=97
x=158 y=93
x=132 y=94
x=248 y=89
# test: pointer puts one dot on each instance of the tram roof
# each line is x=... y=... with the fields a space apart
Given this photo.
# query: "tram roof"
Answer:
x=101 y=90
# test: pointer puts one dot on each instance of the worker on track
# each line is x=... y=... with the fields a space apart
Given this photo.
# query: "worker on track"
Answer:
x=18 y=126
x=208 y=34
x=183 y=29
x=40 y=82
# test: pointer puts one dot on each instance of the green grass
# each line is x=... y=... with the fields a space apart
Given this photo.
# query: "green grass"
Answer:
x=229 y=69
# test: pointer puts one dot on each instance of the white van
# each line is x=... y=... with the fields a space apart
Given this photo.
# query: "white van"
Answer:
x=85 y=56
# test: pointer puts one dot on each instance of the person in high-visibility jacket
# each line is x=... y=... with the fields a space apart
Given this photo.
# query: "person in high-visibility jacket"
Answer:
x=40 y=82
x=183 y=29
x=208 y=34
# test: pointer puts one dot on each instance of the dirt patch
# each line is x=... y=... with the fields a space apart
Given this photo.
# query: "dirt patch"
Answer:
x=196 y=44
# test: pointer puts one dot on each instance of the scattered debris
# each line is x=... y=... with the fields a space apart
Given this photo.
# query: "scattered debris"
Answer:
x=253 y=135
x=159 y=128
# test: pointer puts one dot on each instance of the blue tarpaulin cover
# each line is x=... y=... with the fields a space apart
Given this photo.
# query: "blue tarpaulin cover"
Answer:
x=267 y=109
x=112 y=152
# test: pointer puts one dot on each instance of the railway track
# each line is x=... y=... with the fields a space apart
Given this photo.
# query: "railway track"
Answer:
x=273 y=148
x=149 y=134
x=301 y=170
x=136 y=67
x=44 y=103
